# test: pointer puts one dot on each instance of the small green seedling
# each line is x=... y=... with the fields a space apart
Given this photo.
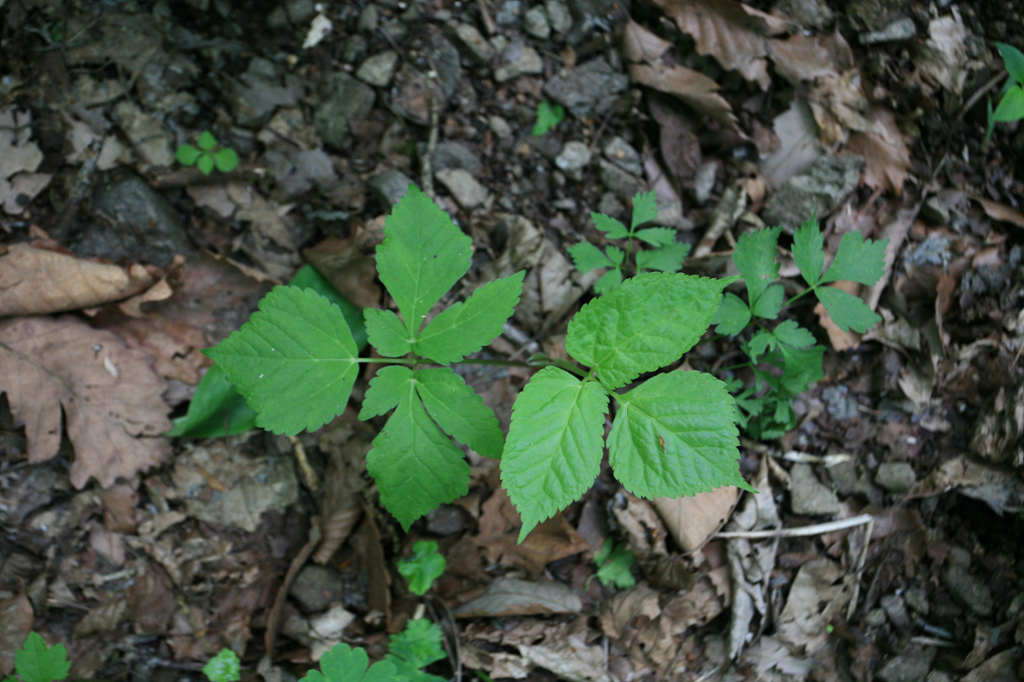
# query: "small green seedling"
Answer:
x=614 y=563
x=549 y=115
x=224 y=667
x=414 y=648
x=666 y=254
x=1011 y=102
x=423 y=567
x=37 y=662
x=208 y=155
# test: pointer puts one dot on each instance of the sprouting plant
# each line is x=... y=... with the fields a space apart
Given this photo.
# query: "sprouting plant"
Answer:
x=423 y=567
x=786 y=359
x=613 y=565
x=414 y=648
x=37 y=662
x=666 y=254
x=224 y=667
x=342 y=663
x=674 y=434
x=1011 y=102
x=549 y=115
x=208 y=155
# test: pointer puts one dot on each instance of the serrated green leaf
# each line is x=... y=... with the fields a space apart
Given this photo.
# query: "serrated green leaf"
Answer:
x=648 y=322
x=616 y=255
x=216 y=410
x=422 y=256
x=186 y=155
x=549 y=115
x=847 y=310
x=755 y=258
x=610 y=226
x=674 y=436
x=224 y=667
x=1013 y=59
x=857 y=260
x=416 y=466
x=668 y=258
x=386 y=390
x=588 y=257
x=419 y=644
x=421 y=569
x=206 y=141
x=1011 y=106
x=645 y=208
x=656 y=236
x=294 y=361
x=759 y=343
x=386 y=333
x=226 y=160
x=608 y=281
x=465 y=328
x=732 y=316
x=808 y=251
x=37 y=662
x=205 y=164
x=769 y=303
x=553 y=450
x=792 y=334
x=803 y=366
x=308 y=278
x=345 y=664
x=459 y=410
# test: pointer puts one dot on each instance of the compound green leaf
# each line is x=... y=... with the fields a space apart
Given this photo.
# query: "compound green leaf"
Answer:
x=465 y=328
x=792 y=334
x=755 y=258
x=616 y=255
x=803 y=367
x=422 y=256
x=656 y=236
x=554 y=446
x=668 y=258
x=608 y=281
x=674 y=436
x=345 y=664
x=294 y=361
x=733 y=315
x=224 y=667
x=645 y=209
x=769 y=303
x=588 y=257
x=206 y=141
x=809 y=251
x=419 y=644
x=459 y=410
x=610 y=226
x=648 y=322
x=37 y=662
x=857 y=260
x=186 y=155
x=847 y=310
x=1011 y=106
x=416 y=466
x=386 y=333
x=226 y=160
x=1013 y=59
x=386 y=390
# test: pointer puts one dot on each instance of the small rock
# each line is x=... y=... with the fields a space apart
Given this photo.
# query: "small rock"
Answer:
x=910 y=666
x=463 y=187
x=507 y=12
x=451 y=154
x=670 y=214
x=875 y=617
x=474 y=45
x=389 y=187
x=566 y=204
x=958 y=556
x=519 y=60
x=808 y=496
x=559 y=17
x=917 y=600
x=932 y=251
x=447 y=520
x=939 y=676
x=587 y=89
x=935 y=211
x=255 y=95
x=839 y=402
x=145 y=225
x=277 y=18
x=347 y=99
x=619 y=181
x=536 y=23
x=573 y=158
x=300 y=11
x=821 y=189
x=968 y=590
x=896 y=610
x=901 y=29
x=395 y=28
x=378 y=69
x=445 y=58
x=811 y=14
x=611 y=206
x=148 y=135
x=896 y=477
x=317 y=587
x=368 y=19
x=354 y=50
x=500 y=127
x=622 y=154
x=704 y=182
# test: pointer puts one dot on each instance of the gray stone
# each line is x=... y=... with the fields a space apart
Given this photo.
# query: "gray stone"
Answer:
x=536 y=23
x=300 y=11
x=811 y=14
x=297 y=171
x=933 y=251
x=368 y=18
x=872 y=15
x=507 y=13
x=445 y=58
x=875 y=617
x=820 y=190
x=896 y=477
x=936 y=211
x=355 y=49
x=610 y=205
x=147 y=134
x=277 y=18
x=622 y=154
x=474 y=45
x=917 y=600
x=619 y=181
x=958 y=556
x=839 y=403
x=144 y=226
x=447 y=520
x=910 y=666
x=255 y=95
x=500 y=127
x=378 y=69
x=901 y=29
x=939 y=676
x=587 y=89
x=807 y=494
x=453 y=154
x=968 y=590
x=317 y=587
x=347 y=99
x=463 y=187
x=395 y=28
x=559 y=17
x=389 y=187
x=519 y=60
x=896 y=610
x=573 y=158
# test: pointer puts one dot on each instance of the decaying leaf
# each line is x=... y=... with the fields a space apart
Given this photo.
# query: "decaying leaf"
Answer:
x=512 y=597
x=798 y=144
x=343 y=500
x=943 y=57
x=15 y=623
x=693 y=520
x=109 y=393
x=886 y=156
x=816 y=598
x=18 y=183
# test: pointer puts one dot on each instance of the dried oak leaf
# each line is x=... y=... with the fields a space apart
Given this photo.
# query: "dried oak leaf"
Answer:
x=110 y=395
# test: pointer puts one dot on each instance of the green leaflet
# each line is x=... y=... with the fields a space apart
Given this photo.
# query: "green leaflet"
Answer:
x=769 y=303
x=345 y=664
x=224 y=667
x=612 y=228
x=645 y=209
x=295 y=350
x=416 y=647
x=732 y=317
x=847 y=310
x=809 y=251
x=755 y=258
x=857 y=260
x=656 y=236
x=674 y=435
x=37 y=662
x=553 y=450
x=643 y=325
x=459 y=411
x=421 y=569
x=386 y=391
x=386 y=333
x=608 y=281
x=588 y=257
x=667 y=258
x=422 y=256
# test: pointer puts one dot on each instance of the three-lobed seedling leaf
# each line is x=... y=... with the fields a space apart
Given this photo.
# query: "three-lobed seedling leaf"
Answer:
x=416 y=647
x=342 y=663
x=37 y=662
x=207 y=155
x=422 y=567
x=224 y=667
x=614 y=563
x=549 y=115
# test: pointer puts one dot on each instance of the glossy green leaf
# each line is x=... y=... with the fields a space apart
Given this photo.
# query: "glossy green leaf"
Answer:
x=387 y=333
x=792 y=334
x=614 y=563
x=755 y=258
x=847 y=310
x=732 y=316
x=459 y=411
x=857 y=260
x=386 y=390
x=1011 y=106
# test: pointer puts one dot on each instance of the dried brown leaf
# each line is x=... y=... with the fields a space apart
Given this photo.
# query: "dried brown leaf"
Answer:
x=808 y=58
x=512 y=597
x=347 y=269
x=886 y=156
x=102 y=619
x=109 y=393
x=1000 y=212
x=693 y=520
x=798 y=144
x=15 y=623
x=839 y=106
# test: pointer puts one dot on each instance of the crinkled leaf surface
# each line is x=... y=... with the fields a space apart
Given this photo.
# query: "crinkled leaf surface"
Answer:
x=345 y=664
x=608 y=281
x=294 y=361
x=674 y=436
x=732 y=316
x=857 y=260
x=755 y=258
x=645 y=209
x=224 y=667
x=422 y=256
x=459 y=410
x=419 y=644
x=465 y=328
x=846 y=310
x=422 y=568
x=646 y=323
x=36 y=662
x=588 y=257
x=612 y=228
x=668 y=258
x=387 y=333
x=808 y=251
x=554 y=446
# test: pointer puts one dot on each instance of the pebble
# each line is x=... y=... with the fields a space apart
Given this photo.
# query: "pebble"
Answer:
x=588 y=89
x=317 y=587
x=621 y=153
x=619 y=181
x=500 y=127
x=473 y=43
x=901 y=29
x=559 y=17
x=839 y=402
x=452 y=154
x=811 y=14
x=611 y=206
x=347 y=99
x=968 y=590
x=368 y=18
x=896 y=610
x=520 y=60
x=536 y=23
x=573 y=158
x=821 y=189
x=507 y=12
x=463 y=187
x=300 y=11
x=910 y=666
x=378 y=69
x=808 y=495
x=896 y=477
x=354 y=50
x=389 y=187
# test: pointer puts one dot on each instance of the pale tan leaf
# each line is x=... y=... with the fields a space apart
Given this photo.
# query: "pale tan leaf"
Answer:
x=693 y=520
x=1000 y=212
x=799 y=147
x=15 y=623
x=109 y=393
x=512 y=597
x=814 y=600
x=640 y=45
x=807 y=58
x=102 y=619
x=695 y=90
x=886 y=156
x=840 y=105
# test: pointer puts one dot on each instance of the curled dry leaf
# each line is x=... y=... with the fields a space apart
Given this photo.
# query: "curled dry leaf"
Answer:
x=886 y=156
x=109 y=393
x=15 y=623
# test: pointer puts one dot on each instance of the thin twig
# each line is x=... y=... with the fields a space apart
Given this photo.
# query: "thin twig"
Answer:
x=803 y=531
x=986 y=86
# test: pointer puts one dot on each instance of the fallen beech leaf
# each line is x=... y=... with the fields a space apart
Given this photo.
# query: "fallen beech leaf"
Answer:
x=886 y=157
x=693 y=520
x=109 y=393
x=512 y=597
x=999 y=212
x=15 y=624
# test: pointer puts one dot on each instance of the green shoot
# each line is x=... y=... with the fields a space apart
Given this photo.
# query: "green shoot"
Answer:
x=414 y=648
x=423 y=567
x=345 y=664
x=1011 y=102
x=209 y=154
x=224 y=667
x=549 y=115
x=613 y=565
x=37 y=662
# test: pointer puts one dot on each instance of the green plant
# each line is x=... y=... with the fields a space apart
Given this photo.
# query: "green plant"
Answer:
x=423 y=567
x=667 y=254
x=208 y=155
x=414 y=648
x=614 y=563
x=674 y=434
x=224 y=667
x=549 y=115
x=786 y=359
x=37 y=662
x=1011 y=102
